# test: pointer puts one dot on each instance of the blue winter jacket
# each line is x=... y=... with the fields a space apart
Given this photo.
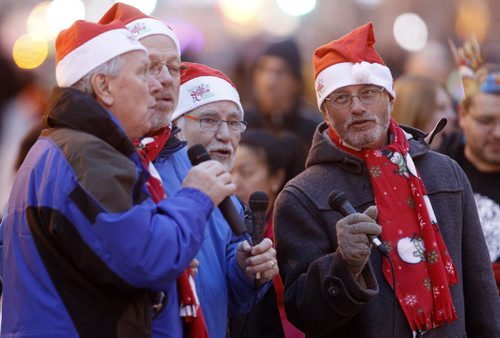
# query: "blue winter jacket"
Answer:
x=84 y=244
x=222 y=287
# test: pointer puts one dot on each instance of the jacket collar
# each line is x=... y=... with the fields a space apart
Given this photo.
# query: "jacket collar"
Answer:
x=71 y=108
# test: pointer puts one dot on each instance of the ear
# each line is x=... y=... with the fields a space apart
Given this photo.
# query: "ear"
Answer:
x=462 y=113
x=100 y=85
x=324 y=112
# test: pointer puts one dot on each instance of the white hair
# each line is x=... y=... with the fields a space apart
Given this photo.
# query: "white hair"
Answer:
x=111 y=67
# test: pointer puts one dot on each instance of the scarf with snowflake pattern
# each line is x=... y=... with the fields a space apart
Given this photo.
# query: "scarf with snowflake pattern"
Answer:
x=149 y=148
x=424 y=270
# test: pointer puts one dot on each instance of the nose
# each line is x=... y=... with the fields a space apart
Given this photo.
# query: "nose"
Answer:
x=357 y=106
x=223 y=133
x=165 y=78
x=154 y=84
x=496 y=129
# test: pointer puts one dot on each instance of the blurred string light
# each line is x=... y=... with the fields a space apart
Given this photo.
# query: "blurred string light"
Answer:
x=62 y=13
x=241 y=12
x=38 y=29
x=240 y=17
x=145 y=6
x=368 y=4
x=410 y=32
x=190 y=36
x=29 y=53
x=472 y=19
x=296 y=7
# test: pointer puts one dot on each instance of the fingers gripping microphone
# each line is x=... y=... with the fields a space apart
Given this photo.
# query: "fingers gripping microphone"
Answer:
x=198 y=154
x=337 y=200
x=258 y=203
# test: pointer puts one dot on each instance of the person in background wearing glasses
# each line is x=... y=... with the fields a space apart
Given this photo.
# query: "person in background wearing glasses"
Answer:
x=210 y=113
x=418 y=201
x=477 y=147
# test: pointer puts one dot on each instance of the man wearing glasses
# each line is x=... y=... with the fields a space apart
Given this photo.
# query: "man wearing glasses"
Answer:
x=419 y=202
x=477 y=150
x=209 y=113
x=225 y=280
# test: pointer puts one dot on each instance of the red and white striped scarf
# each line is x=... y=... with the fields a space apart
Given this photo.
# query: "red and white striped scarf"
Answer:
x=190 y=310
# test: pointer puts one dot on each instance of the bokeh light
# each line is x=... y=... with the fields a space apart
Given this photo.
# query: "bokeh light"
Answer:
x=62 y=13
x=368 y=4
x=145 y=6
x=472 y=19
x=410 y=32
x=275 y=21
x=29 y=53
x=296 y=7
x=241 y=12
x=38 y=28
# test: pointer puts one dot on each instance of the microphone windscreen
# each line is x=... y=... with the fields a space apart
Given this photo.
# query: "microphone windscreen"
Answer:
x=198 y=154
x=259 y=201
x=336 y=198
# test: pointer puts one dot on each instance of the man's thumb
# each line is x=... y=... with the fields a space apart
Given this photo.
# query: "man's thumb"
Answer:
x=372 y=212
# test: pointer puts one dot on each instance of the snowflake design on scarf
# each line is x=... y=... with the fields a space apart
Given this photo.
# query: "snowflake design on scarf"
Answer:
x=432 y=256
x=427 y=283
x=449 y=267
x=411 y=202
x=375 y=171
x=435 y=291
x=410 y=300
x=489 y=215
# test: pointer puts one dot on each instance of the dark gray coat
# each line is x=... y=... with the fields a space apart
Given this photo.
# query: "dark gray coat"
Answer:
x=322 y=297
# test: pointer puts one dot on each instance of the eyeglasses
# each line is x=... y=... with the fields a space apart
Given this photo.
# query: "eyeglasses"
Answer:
x=211 y=124
x=155 y=68
x=367 y=95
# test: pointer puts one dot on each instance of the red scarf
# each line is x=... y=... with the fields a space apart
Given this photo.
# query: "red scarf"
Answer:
x=149 y=148
x=423 y=267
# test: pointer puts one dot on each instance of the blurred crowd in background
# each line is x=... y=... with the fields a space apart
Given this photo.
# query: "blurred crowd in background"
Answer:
x=413 y=37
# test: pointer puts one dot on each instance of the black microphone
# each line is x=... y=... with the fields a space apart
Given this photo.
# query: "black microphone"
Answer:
x=258 y=203
x=337 y=200
x=198 y=154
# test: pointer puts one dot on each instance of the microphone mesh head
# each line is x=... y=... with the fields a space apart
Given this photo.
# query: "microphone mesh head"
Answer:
x=198 y=154
x=259 y=201
x=336 y=198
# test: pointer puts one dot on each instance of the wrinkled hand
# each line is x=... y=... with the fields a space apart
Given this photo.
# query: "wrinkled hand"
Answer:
x=352 y=238
x=260 y=259
x=211 y=178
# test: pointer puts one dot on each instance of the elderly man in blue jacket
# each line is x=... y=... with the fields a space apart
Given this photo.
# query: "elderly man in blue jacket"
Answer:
x=85 y=246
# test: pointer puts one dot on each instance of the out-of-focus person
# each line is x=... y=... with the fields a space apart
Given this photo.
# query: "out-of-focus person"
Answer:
x=477 y=147
x=433 y=61
x=278 y=92
x=420 y=103
x=265 y=161
x=418 y=201
x=85 y=246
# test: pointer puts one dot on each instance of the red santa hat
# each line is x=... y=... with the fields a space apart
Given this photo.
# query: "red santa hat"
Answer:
x=201 y=85
x=87 y=45
x=138 y=23
x=350 y=60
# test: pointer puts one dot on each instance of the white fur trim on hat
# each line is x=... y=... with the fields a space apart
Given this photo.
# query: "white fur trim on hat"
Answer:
x=203 y=90
x=93 y=53
x=347 y=74
x=141 y=28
